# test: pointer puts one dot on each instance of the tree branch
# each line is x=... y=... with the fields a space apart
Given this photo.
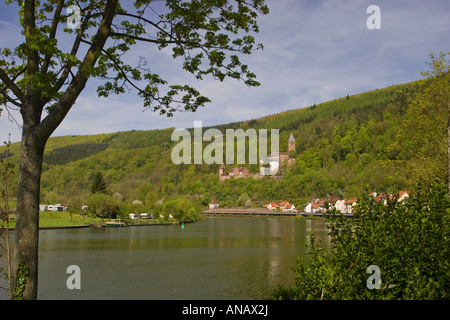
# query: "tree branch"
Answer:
x=53 y=33
x=116 y=34
x=32 y=55
x=145 y=20
x=12 y=86
x=62 y=107
x=11 y=100
x=76 y=45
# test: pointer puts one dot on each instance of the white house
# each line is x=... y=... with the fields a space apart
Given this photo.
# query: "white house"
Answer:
x=214 y=204
x=340 y=206
x=289 y=208
x=403 y=195
x=272 y=206
x=316 y=205
x=349 y=204
x=308 y=207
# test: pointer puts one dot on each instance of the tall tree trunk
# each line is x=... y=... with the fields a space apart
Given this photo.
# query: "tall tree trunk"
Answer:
x=448 y=146
x=27 y=220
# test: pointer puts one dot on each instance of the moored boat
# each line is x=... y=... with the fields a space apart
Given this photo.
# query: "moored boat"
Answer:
x=116 y=223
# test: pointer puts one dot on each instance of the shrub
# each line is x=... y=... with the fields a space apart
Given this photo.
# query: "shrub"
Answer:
x=408 y=242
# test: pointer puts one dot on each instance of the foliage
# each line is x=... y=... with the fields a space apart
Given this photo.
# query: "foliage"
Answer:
x=388 y=139
x=365 y=140
x=409 y=243
x=182 y=210
x=427 y=147
x=21 y=280
x=99 y=184
x=103 y=205
x=65 y=154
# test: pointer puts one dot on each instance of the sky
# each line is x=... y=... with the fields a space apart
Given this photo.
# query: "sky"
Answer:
x=314 y=51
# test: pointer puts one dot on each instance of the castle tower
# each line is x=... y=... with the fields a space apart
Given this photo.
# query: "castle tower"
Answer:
x=291 y=143
x=221 y=172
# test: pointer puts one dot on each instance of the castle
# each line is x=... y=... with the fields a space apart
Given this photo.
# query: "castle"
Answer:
x=274 y=170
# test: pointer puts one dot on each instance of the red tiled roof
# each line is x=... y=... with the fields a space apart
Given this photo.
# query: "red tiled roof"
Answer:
x=273 y=204
x=402 y=192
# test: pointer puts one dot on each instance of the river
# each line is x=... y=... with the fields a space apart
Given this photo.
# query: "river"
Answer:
x=218 y=258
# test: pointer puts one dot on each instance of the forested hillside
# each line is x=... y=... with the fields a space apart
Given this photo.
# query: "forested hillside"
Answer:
x=386 y=140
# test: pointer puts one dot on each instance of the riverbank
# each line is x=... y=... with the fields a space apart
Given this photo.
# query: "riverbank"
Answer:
x=65 y=220
x=45 y=225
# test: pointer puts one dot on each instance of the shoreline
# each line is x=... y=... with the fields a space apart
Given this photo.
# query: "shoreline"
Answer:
x=255 y=212
x=79 y=226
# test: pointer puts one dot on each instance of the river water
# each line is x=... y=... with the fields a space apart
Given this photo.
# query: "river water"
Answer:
x=218 y=258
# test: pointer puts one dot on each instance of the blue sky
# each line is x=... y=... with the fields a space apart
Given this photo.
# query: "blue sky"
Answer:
x=314 y=51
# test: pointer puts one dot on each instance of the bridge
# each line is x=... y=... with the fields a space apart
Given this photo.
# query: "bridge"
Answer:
x=264 y=212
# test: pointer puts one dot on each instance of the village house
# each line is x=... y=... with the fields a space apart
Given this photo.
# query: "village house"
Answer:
x=350 y=204
x=214 y=204
x=272 y=206
x=403 y=196
x=315 y=206
x=346 y=206
x=318 y=206
x=340 y=206
x=284 y=206
x=289 y=208
x=382 y=197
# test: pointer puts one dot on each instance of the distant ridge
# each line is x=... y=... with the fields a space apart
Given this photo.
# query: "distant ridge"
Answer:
x=342 y=146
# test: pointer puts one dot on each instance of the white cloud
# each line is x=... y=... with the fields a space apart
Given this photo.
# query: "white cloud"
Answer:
x=314 y=51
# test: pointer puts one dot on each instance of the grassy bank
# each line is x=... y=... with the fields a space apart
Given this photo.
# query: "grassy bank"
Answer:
x=65 y=219
x=60 y=219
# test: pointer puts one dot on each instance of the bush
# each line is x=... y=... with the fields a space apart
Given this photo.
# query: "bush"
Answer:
x=182 y=210
x=409 y=243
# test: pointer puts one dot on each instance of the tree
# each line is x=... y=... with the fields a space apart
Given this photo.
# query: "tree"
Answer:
x=242 y=200
x=103 y=205
x=440 y=75
x=43 y=76
x=425 y=133
x=99 y=184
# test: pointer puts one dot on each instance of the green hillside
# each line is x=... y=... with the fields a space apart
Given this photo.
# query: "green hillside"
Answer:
x=384 y=139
